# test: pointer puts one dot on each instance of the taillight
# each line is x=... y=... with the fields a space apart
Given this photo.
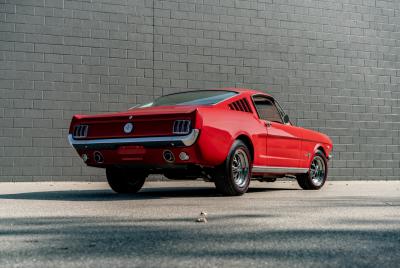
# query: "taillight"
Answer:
x=80 y=131
x=182 y=127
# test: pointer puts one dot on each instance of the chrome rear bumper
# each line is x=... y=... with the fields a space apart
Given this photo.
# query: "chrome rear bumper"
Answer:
x=164 y=141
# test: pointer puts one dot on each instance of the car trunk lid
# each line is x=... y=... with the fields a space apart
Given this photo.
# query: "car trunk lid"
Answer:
x=146 y=122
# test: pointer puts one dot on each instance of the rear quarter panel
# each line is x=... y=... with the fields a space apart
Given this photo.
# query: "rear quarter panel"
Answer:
x=219 y=129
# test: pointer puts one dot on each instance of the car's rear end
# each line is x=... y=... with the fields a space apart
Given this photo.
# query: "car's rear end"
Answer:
x=183 y=136
x=149 y=137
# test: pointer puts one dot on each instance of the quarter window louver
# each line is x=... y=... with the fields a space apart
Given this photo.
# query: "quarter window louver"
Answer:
x=181 y=127
x=80 y=131
x=240 y=105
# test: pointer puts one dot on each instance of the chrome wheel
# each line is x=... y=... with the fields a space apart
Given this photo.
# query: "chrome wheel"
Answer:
x=240 y=167
x=233 y=176
x=317 y=171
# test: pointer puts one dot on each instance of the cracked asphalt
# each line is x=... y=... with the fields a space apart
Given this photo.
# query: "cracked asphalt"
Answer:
x=59 y=224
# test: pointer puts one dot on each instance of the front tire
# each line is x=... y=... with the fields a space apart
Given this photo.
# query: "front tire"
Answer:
x=315 y=178
x=233 y=177
x=125 y=180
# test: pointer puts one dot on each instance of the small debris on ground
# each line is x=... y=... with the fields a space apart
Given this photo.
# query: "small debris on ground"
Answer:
x=203 y=217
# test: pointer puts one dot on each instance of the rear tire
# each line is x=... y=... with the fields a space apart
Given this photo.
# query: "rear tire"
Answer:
x=233 y=177
x=315 y=178
x=125 y=180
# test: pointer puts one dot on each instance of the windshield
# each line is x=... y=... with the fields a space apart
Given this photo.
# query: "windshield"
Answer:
x=201 y=97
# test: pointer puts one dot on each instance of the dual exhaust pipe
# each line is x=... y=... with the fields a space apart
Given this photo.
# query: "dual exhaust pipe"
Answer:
x=98 y=157
x=167 y=155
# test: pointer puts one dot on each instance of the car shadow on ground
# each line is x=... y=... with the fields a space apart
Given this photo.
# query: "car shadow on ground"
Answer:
x=109 y=195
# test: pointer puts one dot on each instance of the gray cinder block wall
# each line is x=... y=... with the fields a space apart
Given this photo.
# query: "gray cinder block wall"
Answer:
x=334 y=65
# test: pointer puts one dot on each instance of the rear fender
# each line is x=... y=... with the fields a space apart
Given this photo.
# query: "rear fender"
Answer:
x=214 y=141
x=219 y=129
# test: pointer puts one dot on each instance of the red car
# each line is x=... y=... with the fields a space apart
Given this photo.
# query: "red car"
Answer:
x=227 y=136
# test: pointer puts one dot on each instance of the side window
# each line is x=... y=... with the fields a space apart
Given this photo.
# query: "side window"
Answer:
x=267 y=110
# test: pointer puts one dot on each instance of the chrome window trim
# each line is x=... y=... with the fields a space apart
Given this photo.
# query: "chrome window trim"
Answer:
x=279 y=170
x=112 y=143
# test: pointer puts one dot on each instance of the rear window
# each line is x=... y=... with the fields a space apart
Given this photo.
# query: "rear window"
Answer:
x=201 y=97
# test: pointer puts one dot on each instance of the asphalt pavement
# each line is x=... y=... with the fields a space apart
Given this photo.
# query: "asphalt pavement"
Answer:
x=346 y=224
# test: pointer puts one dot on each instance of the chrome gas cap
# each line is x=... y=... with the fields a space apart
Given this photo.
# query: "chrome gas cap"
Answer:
x=128 y=128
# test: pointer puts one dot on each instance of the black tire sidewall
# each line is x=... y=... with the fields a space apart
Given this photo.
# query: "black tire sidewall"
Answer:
x=124 y=180
x=228 y=170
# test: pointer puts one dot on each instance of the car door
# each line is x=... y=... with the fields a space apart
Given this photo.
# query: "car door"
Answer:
x=283 y=143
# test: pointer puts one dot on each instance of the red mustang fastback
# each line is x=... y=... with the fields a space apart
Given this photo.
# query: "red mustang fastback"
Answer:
x=227 y=136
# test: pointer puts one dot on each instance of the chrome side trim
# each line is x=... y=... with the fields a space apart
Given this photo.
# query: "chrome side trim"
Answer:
x=279 y=170
x=173 y=141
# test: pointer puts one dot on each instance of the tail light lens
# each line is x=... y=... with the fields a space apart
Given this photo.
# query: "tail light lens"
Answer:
x=182 y=127
x=80 y=131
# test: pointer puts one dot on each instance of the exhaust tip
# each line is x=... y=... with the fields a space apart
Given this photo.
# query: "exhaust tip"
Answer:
x=168 y=156
x=98 y=157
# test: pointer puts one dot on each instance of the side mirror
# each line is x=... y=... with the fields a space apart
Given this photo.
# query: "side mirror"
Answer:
x=286 y=119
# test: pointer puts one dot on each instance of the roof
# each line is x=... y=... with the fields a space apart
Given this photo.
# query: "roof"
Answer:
x=245 y=90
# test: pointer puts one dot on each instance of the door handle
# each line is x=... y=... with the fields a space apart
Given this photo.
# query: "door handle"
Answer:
x=267 y=123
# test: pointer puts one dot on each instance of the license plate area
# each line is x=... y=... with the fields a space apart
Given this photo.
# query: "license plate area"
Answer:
x=131 y=150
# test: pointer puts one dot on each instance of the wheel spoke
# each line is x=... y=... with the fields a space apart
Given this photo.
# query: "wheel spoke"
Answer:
x=317 y=171
x=240 y=167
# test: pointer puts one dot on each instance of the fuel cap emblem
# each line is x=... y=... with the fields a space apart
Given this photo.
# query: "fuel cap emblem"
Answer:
x=128 y=128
